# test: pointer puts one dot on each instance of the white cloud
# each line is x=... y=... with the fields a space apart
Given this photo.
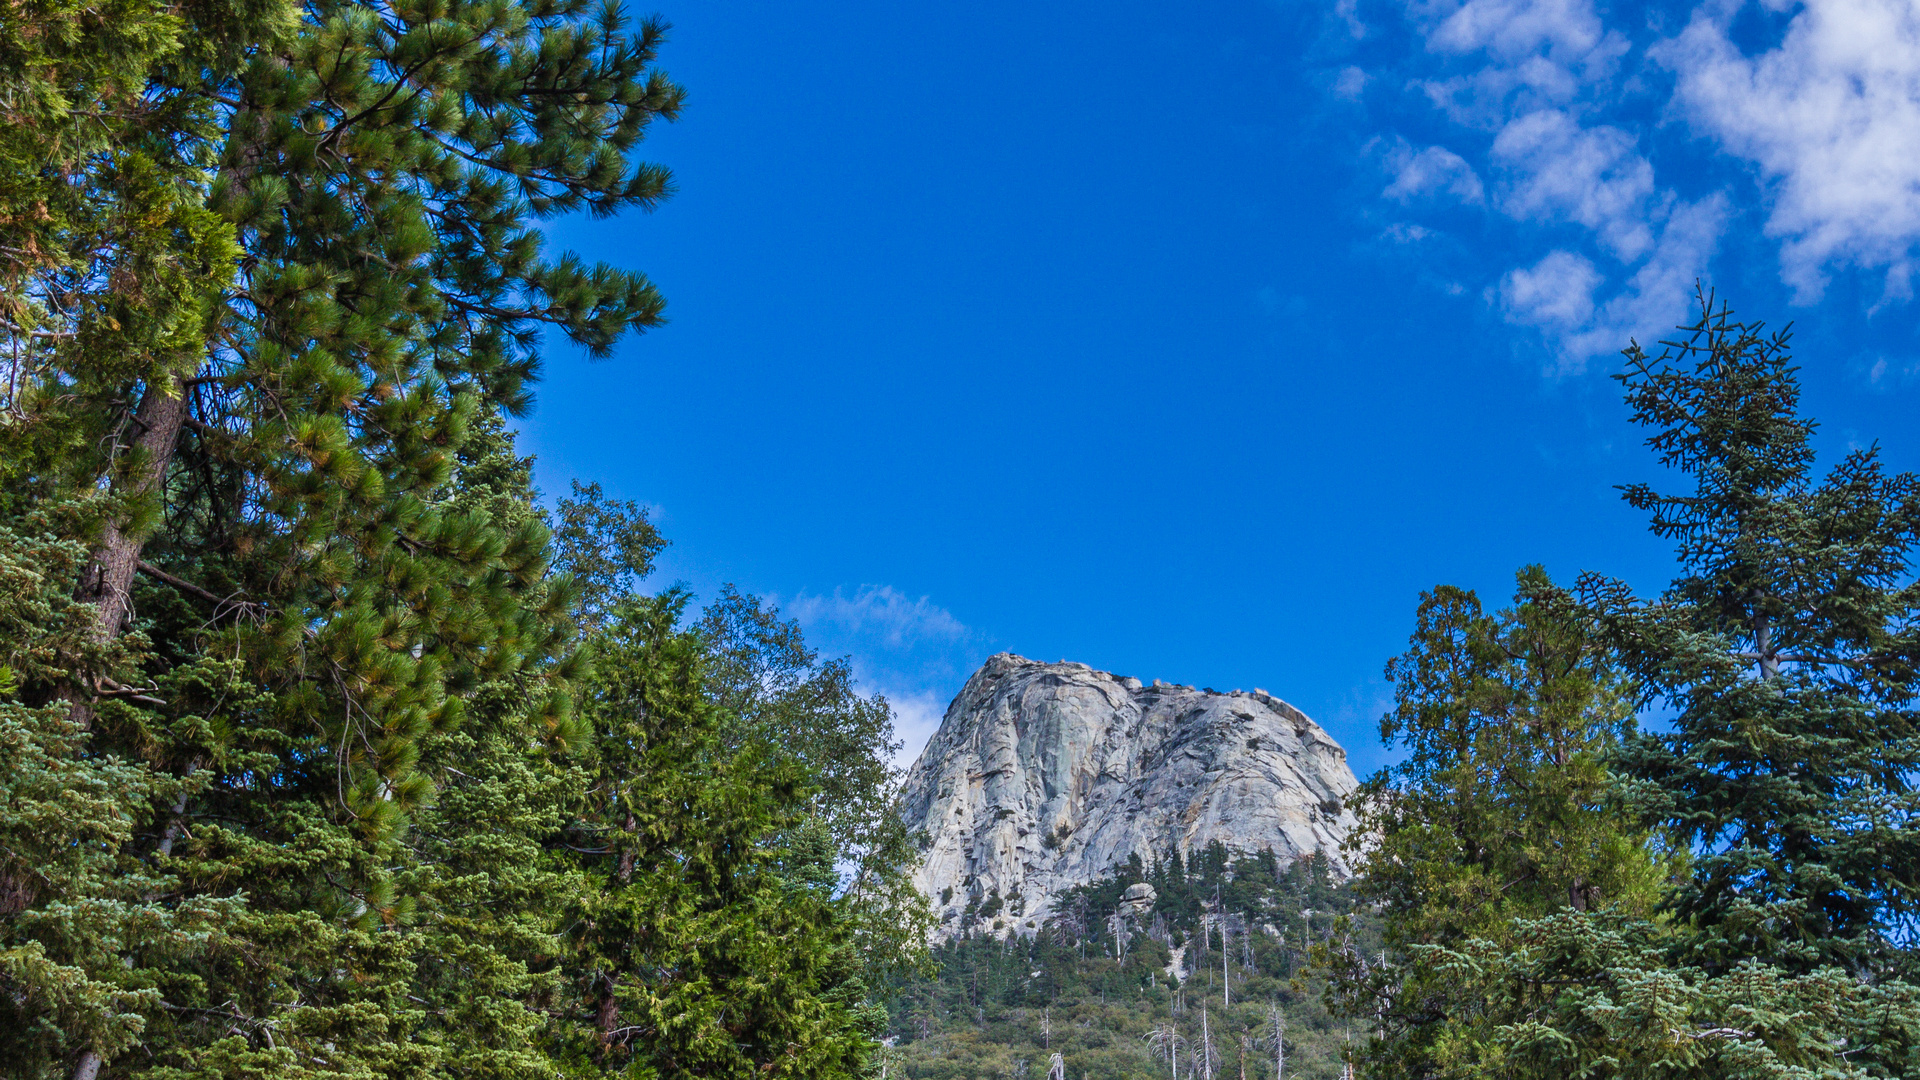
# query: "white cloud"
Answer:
x=1350 y=83
x=1564 y=31
x=1831 y=117
x=1533 y=89
x=1433 y=170
x=1591 y=175
x=910 y=650
x=1556 y=294
x=1537 y=53
x=1348 y=11
x=898 y=620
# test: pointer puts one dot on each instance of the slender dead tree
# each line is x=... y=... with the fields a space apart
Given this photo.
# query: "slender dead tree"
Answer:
x=1165 y=1042
x=1277 y=1025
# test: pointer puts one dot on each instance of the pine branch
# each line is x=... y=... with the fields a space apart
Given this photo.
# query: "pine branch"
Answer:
x=220 y=603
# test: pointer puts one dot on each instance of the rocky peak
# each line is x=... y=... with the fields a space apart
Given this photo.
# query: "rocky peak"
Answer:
x=1046 y=776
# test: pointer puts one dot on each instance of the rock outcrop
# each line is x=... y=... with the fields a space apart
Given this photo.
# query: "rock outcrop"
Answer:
x=1047 y=776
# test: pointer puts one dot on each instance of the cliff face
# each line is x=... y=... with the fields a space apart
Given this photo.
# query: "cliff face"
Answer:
x=1046 y=776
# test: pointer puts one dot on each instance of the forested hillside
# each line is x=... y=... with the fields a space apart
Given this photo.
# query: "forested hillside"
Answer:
x=1219 y=961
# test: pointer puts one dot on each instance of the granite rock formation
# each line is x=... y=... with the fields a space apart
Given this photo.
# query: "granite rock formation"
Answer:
x=1047 y=776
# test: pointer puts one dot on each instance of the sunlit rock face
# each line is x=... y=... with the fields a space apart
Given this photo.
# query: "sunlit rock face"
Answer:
x=1047 y=776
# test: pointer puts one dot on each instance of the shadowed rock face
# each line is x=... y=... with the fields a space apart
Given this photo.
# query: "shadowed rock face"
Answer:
x=1046 y=776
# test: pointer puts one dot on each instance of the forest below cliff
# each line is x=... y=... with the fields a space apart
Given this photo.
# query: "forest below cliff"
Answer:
x=332 y=747
x=1214 y=976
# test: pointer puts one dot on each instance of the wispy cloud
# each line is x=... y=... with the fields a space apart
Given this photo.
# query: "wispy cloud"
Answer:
x=1511 y=57
x=1557 y=294
x=899 y=620
x=1561 y=171
x=910 y=649
x=1435 y=170
x=1522 y=85
x=916 y=716
x=1545 y=115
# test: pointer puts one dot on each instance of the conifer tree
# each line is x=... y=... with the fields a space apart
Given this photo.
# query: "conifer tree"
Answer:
x=1500 y=812
x=1788 y=651
x=281 y=265
x=711 y=943
x=1785 y=654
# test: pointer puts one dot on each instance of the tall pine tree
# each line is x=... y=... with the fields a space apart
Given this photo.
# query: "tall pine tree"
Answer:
x=1501 y=811
x=279 y=265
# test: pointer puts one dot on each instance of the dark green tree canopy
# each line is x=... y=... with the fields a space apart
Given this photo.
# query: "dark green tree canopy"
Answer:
x=305 y=766
x=1776 y=793
x=1787 y=650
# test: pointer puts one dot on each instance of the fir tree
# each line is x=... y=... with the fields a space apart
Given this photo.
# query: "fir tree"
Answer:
x=1787 y=650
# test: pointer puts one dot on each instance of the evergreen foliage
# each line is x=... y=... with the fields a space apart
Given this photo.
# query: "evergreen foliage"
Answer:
x=700 y=949
x=1787 y=650
x=772 y=689
x=319 y=754
x=1780 y=801
x=324 y=751
x=1116 y=993
x=1502 y=810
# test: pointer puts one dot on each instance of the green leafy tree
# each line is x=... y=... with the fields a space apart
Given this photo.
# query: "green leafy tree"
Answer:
x=1502 y=810
x=712 y=943
x=771 y=688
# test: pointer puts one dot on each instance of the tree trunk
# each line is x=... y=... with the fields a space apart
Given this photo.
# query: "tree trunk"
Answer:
x=110 y=576
x=623 y=867
x=109 y=580
x=177 y=821
x=607 y=1016
x=1763 y=646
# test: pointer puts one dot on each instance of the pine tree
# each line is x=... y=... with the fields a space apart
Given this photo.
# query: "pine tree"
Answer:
x=490 y=894
x=281 y=267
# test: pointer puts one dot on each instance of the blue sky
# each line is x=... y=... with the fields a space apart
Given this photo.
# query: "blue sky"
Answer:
x=1193 y=341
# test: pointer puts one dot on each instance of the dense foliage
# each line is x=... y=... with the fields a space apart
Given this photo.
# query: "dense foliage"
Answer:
x=1728 y=893
x=324 y=750
x=1218 y=965
x=1501 y=811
